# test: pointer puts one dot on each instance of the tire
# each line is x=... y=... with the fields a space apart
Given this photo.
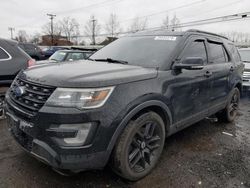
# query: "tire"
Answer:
x=2 y=108
x=230 y=112
x=139 y=147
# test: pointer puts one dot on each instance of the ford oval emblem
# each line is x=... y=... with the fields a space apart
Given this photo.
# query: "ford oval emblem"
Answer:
x=19 y=91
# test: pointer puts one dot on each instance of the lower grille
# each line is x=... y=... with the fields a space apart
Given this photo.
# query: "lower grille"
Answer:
x=22 y=138
x=28 y=95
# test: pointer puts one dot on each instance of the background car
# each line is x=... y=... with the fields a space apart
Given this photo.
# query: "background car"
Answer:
x=245 y=57
x=12 y=60
x=49 y=51
x=67 y=55
x=34 y=51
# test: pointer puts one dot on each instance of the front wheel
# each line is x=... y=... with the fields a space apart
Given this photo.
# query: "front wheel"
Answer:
x=230 y=112
x=139 y=147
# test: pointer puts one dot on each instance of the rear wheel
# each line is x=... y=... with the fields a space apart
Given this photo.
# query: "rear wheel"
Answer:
x=230 y=112
x=139 y=147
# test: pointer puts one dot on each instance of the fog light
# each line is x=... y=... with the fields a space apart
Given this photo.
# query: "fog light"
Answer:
x=81 y=135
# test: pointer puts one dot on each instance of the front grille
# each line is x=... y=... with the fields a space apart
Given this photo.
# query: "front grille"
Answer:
x=246 y=75
x=33 y=97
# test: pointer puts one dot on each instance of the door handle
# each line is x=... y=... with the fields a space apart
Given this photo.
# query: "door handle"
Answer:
x=208 y=74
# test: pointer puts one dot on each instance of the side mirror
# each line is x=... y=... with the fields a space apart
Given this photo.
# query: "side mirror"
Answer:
x=190 y=63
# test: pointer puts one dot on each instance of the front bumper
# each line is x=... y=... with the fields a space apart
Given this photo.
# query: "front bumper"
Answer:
x=32 y=134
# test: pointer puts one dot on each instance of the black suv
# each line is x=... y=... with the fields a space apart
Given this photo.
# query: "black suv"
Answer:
x=12 y=60
x=33 y=50
x=119 y=105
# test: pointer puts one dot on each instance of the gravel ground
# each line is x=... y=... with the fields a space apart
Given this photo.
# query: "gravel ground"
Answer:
x=203 y=155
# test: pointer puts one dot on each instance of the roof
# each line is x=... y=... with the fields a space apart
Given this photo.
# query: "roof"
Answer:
x=158 y=32
x=9 y=40
x=165 y=32
x=80 y=51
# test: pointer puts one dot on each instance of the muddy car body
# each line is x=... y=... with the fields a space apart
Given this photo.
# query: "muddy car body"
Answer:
x=121 y=104
x=245 y=57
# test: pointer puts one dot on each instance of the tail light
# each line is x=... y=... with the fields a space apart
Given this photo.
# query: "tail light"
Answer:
x=31 y=62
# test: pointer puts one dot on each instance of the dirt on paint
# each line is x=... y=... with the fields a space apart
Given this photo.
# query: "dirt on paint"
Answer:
x=203 y=155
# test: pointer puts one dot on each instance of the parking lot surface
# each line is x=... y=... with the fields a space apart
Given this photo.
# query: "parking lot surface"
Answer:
x=204 y=155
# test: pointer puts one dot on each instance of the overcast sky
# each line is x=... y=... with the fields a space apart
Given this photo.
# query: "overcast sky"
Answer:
x=30 y=15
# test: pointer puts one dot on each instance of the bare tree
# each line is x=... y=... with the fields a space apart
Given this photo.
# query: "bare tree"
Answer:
x=22 y=36
x=112 y=26
x=138 y=24
x=57 y=30
x=175 y=22
x=35 y=38
x=69 y=27
x=171 y=24
x=238 y=37
x=166 y=24
x=92 y=29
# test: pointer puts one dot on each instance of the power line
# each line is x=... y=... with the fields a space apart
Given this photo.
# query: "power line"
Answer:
x=227 y=18
x=217 y=19
x=217 y=8
x=168 y=10
x=88 y=6
x=74 y=10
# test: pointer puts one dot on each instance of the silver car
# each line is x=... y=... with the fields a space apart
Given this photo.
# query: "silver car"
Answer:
x=245 y=57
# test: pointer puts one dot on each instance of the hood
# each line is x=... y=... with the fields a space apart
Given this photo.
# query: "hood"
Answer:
x=87 y=74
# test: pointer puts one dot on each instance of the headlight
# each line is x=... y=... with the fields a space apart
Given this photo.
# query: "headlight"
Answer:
x=79 y=98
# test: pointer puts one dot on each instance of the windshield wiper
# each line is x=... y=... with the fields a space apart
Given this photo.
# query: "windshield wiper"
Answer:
x=110 y=60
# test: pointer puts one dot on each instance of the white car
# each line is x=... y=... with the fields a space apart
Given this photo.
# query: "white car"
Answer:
x=245 y=57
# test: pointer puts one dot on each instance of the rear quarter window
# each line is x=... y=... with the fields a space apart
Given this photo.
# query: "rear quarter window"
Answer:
x=4 y=54
x=233 y=50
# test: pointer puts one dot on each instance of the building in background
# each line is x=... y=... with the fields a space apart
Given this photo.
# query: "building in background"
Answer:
x=58 y=41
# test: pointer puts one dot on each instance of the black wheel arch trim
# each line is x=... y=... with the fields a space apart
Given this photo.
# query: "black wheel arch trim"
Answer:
x=132 y=113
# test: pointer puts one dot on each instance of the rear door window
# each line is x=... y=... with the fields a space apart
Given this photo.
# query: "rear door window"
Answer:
x=234 y=52
x=218 y=53
x=3 y=54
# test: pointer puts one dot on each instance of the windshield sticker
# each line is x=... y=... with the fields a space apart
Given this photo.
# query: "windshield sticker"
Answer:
x=168 y=38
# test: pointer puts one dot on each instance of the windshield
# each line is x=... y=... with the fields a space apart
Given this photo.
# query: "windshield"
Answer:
x=58 y=56
x=245 y=55
x=145 y=51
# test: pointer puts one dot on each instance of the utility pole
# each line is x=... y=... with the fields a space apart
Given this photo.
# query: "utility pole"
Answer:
x=11 y=29
x=93 y=29
x=51 y=17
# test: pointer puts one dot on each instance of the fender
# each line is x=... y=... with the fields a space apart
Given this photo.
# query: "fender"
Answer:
x=236 y=83
x=134 y=111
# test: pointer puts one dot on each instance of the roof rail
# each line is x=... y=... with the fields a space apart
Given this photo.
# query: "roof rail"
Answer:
x=205 y=32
